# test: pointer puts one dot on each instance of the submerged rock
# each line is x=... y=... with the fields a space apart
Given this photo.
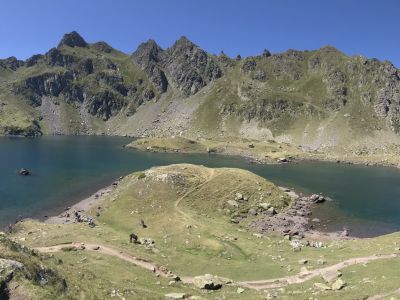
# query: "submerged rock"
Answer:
x=24 y=172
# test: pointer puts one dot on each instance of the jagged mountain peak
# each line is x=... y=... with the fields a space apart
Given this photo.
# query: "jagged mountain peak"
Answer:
x=148 y=50
x=183 y=43
x=72 y=39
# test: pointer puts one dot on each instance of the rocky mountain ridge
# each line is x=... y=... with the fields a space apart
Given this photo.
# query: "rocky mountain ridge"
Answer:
x=318 y=98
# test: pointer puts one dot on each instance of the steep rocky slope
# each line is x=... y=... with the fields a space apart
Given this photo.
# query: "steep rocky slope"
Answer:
x=316 y=99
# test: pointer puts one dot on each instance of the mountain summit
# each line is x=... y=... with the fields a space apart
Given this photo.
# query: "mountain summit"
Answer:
x=314 y=99
x=72 y=39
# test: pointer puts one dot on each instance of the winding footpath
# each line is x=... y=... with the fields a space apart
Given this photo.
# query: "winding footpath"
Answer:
x=308 y=275
x=196 y=188
x=257 y=285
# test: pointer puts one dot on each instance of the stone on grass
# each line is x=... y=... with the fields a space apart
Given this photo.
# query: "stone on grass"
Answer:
x=264 y=205
x=233 y=203
x=240 y=290
x=322 y=286
x=338 y=285
x=238 y=196
x=331 y=275
x=175 y=296
x=252 y=212
x=207 y=282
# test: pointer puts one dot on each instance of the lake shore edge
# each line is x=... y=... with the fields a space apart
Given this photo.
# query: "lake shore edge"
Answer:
x=255 y=151
x=82 y=211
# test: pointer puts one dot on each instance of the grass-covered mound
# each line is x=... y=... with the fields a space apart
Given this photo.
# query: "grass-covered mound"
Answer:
x=196 y=222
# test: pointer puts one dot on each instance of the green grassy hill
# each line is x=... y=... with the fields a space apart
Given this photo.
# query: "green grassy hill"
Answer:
x=193 y=228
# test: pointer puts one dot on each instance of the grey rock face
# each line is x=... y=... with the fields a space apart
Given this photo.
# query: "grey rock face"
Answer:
x=272 y=89
x=114 y=80
x=104 y=104
x=33 y=60
x=249 y=65
x=11 y=63
x=148 y=56
x=190 y=67
x=47 y=84
x=56 y=58
x=72 y=39
x=103 y=47
x=289 y=63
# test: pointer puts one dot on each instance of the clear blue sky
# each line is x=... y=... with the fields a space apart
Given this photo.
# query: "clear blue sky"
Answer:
x=243 y=27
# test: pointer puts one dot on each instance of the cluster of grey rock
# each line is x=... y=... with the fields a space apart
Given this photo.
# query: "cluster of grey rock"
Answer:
x=81 y=218
x=293 y=222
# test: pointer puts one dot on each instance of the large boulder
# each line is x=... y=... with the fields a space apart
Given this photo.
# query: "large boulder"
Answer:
x=338 y=285
x=331 y=275
x=207 y=282
x=233 y=203
x=7 y=269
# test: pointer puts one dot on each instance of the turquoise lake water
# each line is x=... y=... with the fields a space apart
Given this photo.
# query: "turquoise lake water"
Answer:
x=68 y=169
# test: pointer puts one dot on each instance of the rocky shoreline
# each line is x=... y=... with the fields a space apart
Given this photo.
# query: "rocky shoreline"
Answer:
x=77 y=212
x=295 y=222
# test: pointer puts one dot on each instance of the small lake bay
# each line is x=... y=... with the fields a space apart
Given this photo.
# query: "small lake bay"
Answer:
x=67 y=169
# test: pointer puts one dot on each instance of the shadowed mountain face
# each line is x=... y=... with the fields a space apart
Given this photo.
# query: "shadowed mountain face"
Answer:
x=314 y=98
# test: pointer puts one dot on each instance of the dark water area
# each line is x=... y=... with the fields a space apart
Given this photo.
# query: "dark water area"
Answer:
x=68 y=169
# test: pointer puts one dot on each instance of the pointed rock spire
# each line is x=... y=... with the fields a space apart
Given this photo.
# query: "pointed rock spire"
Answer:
x=72 y=39
x=148 y=51
x=183 y=43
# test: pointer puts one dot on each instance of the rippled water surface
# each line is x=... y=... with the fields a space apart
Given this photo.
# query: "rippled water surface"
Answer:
x=67 y=169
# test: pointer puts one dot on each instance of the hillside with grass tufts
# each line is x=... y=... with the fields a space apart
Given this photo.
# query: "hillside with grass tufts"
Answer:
x=319 y=100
